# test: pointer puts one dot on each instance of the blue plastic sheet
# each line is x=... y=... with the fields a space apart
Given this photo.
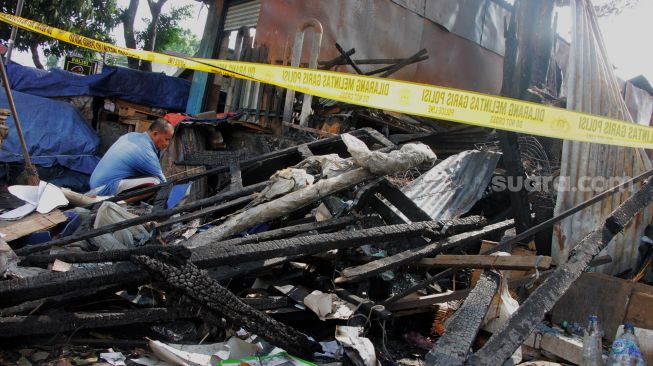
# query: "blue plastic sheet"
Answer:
x=55 y=133
x=148 y=88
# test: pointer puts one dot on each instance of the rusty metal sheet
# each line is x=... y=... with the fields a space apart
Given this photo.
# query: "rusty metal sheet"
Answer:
x=416 y=6
x=382 y=29
x=480 y=21
x=593 y=88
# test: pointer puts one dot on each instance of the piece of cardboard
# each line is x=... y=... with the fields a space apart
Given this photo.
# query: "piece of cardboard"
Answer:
x=595 y=294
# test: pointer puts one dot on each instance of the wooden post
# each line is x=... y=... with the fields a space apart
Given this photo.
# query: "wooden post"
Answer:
x=526 y=60
x=211 y=39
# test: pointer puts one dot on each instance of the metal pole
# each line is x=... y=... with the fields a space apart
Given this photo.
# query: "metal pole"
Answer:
x=32 y=175
x=14 y=30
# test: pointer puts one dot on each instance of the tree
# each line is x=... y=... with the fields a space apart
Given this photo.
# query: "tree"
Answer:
x=152 y=28
x=52 y=62
x=90 y=18
x=612 y=7
x=169 y=36
x=181 y=41
x=127 y=17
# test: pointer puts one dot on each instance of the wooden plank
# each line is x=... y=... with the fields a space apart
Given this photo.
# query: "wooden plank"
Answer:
x=488 y=262
x=31 y=224
x=517 y=250
x=639 y=310
x=546 y=339
x=142 y=125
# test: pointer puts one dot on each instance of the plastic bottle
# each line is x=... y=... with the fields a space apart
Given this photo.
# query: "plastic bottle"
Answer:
x=625 y=349
x=573 y=328
x=592 y=350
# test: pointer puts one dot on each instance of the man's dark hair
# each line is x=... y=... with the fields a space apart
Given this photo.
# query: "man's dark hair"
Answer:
x=160 y=125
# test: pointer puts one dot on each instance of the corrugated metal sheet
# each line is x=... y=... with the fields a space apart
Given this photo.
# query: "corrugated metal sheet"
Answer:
x=243 y=14
x=640 y=104
x=452 y=187
x=593 y=88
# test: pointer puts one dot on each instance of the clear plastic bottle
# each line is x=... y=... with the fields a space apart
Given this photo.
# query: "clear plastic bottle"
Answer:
x=592 y=349
x=625 y=349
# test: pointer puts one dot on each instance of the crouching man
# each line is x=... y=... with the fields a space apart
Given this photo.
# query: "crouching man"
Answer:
x=132 y=161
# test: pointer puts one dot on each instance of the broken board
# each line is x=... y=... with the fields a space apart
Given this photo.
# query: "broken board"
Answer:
x=595 y=294
x=489 y=262
x=33 y=223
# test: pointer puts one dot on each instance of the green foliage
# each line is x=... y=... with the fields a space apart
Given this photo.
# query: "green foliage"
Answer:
x=91 y=18
x=51 y=62
x=169 y=36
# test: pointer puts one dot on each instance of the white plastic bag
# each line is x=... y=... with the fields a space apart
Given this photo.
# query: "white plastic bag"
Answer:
x=501 y=309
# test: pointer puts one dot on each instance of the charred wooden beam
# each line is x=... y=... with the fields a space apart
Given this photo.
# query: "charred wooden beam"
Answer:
x=348 y=59
x=221 y=210
x=49 y=284
x=515 y=172
x=154 y=216
x=504 y=342
x=125 y=254
x=452 y=348
x=197 y=285
x=404 y=204
x=269 y=303
x=17 y=326
x=400 y=65
x=339 y=60
x=526 y=60
x=413 y=255
x=213 y=255
x=389 y=67
x=50 y=301
x=376 y=135
x=384 y=210
x=19 y=290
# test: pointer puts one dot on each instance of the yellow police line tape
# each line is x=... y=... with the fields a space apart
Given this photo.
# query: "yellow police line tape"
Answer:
x=400 y=96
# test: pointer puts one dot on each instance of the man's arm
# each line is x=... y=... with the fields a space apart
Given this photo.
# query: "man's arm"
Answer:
x=148 y=165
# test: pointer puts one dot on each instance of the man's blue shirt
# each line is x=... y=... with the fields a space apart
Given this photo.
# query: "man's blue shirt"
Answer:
x=132 y=156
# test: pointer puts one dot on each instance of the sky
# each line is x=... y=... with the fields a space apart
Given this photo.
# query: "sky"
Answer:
x=625 y=34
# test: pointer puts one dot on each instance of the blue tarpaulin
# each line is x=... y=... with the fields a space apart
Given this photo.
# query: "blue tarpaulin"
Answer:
x=54 y=131
x=148 y=88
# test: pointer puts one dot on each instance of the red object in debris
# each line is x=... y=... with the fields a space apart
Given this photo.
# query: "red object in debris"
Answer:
x=418 y=340
x=175 y=118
